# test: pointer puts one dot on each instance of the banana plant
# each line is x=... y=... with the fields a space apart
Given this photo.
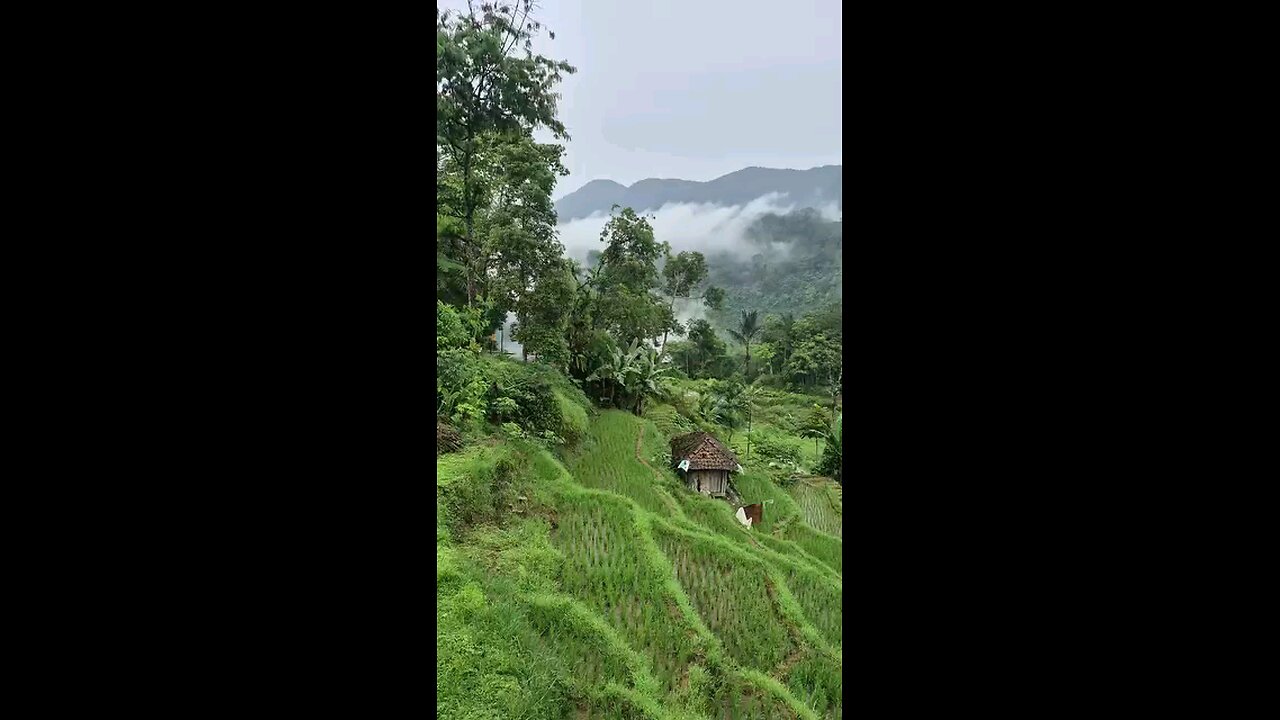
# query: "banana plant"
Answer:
x=615 y=369
x=645 y=376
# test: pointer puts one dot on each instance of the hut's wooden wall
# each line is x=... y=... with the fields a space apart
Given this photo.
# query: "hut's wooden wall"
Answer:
x=709 y=482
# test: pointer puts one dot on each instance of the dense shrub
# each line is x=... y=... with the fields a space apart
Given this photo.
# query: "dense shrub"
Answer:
x=669 y=421
x=447 y=438
x=573 y=417
x=475 y=486
x=772 y=447
x=536 y=399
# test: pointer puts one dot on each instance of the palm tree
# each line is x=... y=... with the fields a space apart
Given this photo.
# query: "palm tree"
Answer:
x=725 y=407
x=748 y=330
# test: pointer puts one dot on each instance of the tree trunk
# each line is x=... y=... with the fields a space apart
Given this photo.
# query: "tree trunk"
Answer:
x=671 y=309
x=469 y=211
x=835 y=392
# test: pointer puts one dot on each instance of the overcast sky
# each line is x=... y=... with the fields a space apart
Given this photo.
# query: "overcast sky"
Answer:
x=693 y=89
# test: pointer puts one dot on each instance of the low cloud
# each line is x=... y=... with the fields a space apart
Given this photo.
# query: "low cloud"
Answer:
x=706 y=228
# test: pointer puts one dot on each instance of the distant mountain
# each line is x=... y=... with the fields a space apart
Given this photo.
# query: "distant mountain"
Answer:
x=807 y=188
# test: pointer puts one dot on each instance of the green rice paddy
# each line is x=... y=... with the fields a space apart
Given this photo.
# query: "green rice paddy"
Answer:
x=610 y=591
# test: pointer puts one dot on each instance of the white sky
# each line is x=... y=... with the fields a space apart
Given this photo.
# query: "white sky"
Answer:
x=693 y=89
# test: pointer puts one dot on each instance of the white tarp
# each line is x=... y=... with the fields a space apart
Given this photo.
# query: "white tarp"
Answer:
x=742 y=517
x=684 y=464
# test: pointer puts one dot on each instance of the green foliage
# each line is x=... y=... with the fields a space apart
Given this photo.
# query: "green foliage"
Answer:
x=629 y=607
x=797 y=267
x=632 y=376
x=669 y=420
x=768 y=446
x=573 y=418
x=703 y=354
x=538 y=401
x=746 y=332
x=815 y=360
x=460 y=387
x=608 y=591
x=492 y=180
x=628 y=272
x=541 y=317
x=475 y=485
x=832 y=462
x=683 y=277
x=816 y=424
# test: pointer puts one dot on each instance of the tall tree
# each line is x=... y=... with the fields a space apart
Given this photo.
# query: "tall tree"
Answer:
x=779 y=331
x=682 y=277
x=703 y=354
x=485 y=88
x=542 y=316
x=626 y=277
x=746 y=333
x=815 y=361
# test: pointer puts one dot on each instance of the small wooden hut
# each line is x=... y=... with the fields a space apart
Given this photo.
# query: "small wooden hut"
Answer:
x=704 y=462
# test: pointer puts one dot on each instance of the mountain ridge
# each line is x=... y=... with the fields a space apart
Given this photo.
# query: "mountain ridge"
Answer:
x=812 y=187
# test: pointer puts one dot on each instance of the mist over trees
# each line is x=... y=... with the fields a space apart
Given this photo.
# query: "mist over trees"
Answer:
x=576 y=571
x=759 y=305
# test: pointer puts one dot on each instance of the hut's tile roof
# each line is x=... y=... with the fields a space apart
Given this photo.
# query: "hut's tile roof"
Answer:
x=703 y=451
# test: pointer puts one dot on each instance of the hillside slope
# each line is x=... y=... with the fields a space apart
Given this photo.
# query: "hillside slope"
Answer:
x=807 y=188
x=601 y=588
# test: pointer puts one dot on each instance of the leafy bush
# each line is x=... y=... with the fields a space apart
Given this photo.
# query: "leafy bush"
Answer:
x=772 y=447
x=573 y=419
x=668 y=420
x=536 y=399
x=447 y=439
x=460 y=386
x=475 y=486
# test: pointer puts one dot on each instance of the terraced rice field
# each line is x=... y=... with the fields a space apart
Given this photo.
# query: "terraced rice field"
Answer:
x=607 y=461
x=654 y=594
x=731 y=598
x=828 y=549
x=756 y=487
x=820 y=505
x=820 y=600
x=606 y=569
x=816 y=681
x=749 y=703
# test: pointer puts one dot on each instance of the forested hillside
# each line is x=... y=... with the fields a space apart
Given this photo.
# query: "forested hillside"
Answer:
x=792 y=265
x=815 y=187
x=577 y=574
